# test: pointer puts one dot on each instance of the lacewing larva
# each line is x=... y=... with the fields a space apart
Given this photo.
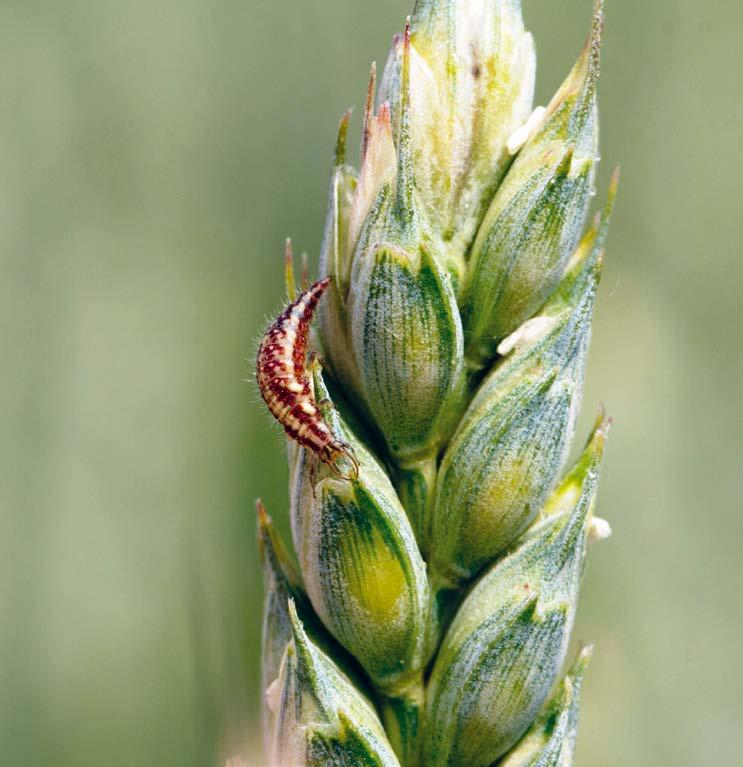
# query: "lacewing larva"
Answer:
x=281 y=372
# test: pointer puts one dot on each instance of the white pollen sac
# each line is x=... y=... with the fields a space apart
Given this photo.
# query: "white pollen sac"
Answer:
x=521 y=135
x=599 y=530
x=273 y=696
x=531 y=330
x=308 y=408
x=295 y=387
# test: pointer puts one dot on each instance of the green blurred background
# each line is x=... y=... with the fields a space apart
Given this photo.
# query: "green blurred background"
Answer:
x=153 y=156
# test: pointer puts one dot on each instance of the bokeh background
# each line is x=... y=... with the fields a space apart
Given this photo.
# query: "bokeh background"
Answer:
x=153 y=156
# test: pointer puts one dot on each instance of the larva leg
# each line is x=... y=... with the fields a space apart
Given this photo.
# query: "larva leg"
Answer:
x=341 y=450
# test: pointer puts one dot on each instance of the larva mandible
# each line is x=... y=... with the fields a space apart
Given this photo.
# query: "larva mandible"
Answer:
x=281 y=372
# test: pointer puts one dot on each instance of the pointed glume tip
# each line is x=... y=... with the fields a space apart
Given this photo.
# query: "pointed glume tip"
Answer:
x=289 y=251
x=605 y=428
x=597 y=33
x=305 y=271
x=290 y=282
x=586 y=652
x=368 y=109
x=601 y=426
x=371 y=89
x=297 y=625
x=406 y=65
x=341 y=140
x=263 y=518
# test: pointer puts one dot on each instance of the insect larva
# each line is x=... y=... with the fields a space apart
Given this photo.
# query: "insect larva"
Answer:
x=282 y=377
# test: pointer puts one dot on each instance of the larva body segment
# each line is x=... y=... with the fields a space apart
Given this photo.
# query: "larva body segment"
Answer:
x=281 y=372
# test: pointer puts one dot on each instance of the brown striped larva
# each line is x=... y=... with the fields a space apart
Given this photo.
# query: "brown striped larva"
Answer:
x=281 y=372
